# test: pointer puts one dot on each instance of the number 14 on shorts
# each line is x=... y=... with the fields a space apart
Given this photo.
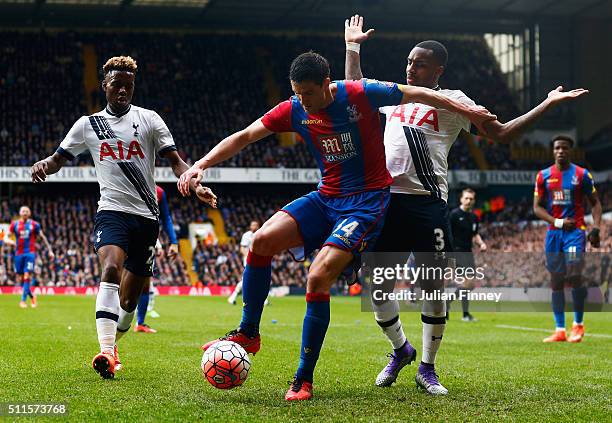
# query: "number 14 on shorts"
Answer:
x=347 y=228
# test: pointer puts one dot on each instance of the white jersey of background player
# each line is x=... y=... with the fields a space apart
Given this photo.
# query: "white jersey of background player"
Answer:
x=245 y=245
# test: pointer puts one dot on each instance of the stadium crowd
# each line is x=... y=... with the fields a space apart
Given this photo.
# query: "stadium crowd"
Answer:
x=200 y=86
x=67 y=220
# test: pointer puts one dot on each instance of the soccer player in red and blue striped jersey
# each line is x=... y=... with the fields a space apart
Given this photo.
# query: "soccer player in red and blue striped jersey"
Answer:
x=26 y=230
x=340 y=125
x=559 y=197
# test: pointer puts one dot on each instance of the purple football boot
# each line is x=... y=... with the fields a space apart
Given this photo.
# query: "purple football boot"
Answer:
x=397 y=361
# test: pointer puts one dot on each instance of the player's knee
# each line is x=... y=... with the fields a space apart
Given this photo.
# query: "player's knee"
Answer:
x=556 y=281
x=434 y=308
x=321 y=278
x=264 y=243
x=111 y=272
x=128 y=304
x=575 y=280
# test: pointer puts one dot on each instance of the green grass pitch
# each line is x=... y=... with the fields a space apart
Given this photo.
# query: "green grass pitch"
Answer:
x=492 y=372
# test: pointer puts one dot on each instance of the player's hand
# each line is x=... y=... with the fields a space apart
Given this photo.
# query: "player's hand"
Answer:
x=594 y=237
x=478 y=115
x=51 y=255
x=159 y=253
x=172 y=251
x=206 y=195
x=558 y=95
x=39 y=171
x=569 y=224
x=184 y=181
x=353 y=30
x=483 y=247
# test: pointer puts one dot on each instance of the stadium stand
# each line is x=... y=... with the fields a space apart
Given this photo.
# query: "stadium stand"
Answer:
x=200 y=86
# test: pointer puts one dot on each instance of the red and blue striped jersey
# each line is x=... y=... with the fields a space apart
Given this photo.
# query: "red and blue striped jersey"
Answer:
x=25 y=235
x=565 y=192
x=346 y=137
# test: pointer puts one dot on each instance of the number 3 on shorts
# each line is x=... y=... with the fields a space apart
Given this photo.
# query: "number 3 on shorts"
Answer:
x=439 y=234
x=151 y=258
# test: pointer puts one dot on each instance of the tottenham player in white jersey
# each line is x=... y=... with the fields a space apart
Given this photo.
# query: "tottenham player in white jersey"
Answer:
x=417 y=141
x=123 y=140
x=245 y=245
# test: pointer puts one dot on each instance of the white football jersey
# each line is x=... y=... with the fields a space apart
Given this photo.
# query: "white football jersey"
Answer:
x=123 y=148
x=418 y=138
x=246 y=241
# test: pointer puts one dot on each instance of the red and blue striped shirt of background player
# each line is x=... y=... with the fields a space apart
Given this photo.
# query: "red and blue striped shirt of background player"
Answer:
x=346 y=138
x=25 y=235
x=164 y=215
x=565 y=192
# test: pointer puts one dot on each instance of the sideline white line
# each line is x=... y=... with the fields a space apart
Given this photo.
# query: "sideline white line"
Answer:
x=595 y=335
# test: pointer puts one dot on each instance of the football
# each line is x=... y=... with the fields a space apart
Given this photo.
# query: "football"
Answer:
x=225 y=365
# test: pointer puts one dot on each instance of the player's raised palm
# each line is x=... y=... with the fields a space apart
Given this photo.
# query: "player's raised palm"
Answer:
x=353 y=30
x=558 y=95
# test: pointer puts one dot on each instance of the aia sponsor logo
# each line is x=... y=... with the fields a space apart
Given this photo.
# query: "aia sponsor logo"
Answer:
x=123 y=151
x=337 y=147
x=409 y=113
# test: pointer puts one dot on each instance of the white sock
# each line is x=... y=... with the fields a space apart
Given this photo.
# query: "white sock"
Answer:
x=107 y=315
x=124 y=322
x=433 y=316
x=387 y=317
x=236 y=292
x=151 y=305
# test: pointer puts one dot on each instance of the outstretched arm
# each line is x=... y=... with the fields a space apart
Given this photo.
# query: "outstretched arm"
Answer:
x=226 y=149
x=52 y=164
x=179 y=167
x=511 y=131
x=354 y=36
x=476 y=114
x=46 y=241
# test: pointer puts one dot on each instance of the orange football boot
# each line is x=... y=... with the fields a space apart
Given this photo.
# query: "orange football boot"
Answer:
x=104 y=364
x=300 y=390
x=118 y=365
x=558 y=336
x=577 y=333
x=250 y=345
x=144 y=328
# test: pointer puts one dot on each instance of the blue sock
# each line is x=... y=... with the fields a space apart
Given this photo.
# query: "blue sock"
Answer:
x=143 y=304
x=256 y=281
x=315 y=326
x=558 y=306
x=26 y=291
x=578 y=297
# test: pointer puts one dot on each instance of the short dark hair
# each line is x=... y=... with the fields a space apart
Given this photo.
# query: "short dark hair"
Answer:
x=468 y=189
x=560 y=137
x=439 y=51
x=120 y=63
x=309 y=66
